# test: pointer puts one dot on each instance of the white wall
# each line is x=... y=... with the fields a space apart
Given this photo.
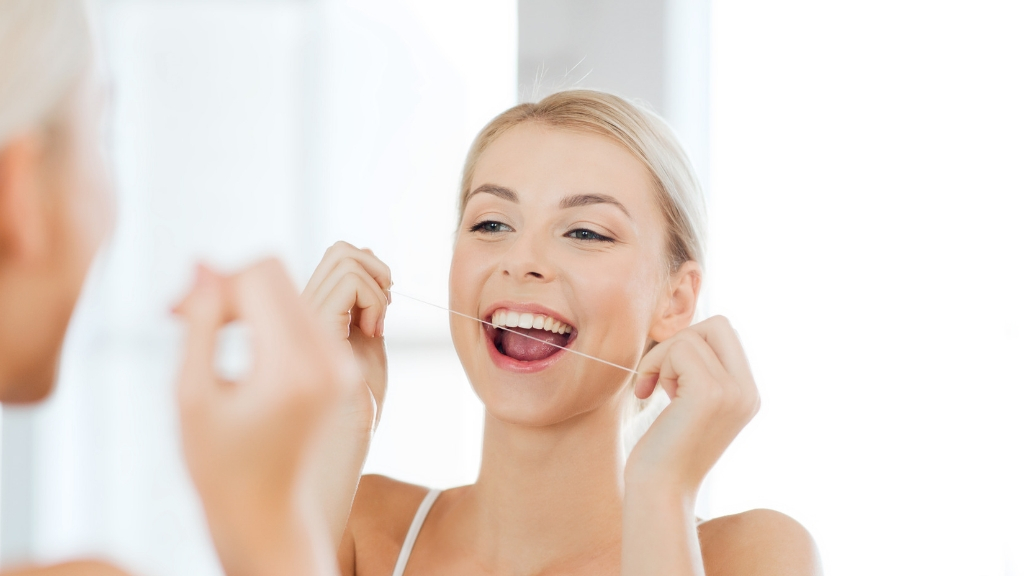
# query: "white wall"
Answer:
x=866 y=210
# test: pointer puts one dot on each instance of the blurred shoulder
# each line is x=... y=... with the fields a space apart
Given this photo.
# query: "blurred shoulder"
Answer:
x=382 y=511
x=84 y=568
x=758 y=542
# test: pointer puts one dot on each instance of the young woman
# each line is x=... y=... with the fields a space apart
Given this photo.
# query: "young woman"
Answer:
x=266 y=453
x=581 y=225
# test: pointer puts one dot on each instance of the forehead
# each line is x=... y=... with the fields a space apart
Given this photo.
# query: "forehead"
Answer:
x=543 y=164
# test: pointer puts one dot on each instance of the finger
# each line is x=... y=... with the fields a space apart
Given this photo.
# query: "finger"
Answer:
x=205 y=312
x=330 y=298
x=334 y=254
x=341 y=250
x=685 y=356
x=280 y=323
x=390 y=283
x=358 y=297
x=685 y=367
x=649 y=370
x=329 y=285
x=706 y=353
x=725 y=342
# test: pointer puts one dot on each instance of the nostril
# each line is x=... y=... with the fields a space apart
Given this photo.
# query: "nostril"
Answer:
x=535 y=274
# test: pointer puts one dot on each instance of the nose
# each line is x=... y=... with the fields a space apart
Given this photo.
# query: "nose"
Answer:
x=527 y=259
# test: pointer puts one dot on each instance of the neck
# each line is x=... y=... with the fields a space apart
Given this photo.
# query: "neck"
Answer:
x=549 y=496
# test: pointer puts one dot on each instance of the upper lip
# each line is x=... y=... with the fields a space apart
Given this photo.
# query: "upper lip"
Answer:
x=518 y=306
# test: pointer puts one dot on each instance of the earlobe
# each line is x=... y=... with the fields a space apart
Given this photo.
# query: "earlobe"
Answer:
x=22 y=227
x=680 y=305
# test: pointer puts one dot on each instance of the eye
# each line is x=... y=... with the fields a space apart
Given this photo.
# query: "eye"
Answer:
x=490 y=227
x=587 y=235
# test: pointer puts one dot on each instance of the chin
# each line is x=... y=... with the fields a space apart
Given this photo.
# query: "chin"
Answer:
x=564 y=389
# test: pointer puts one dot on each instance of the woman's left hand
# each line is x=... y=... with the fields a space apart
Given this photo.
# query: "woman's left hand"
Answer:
x=705 y=372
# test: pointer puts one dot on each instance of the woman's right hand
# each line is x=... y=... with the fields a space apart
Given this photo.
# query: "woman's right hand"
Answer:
x=350 y=290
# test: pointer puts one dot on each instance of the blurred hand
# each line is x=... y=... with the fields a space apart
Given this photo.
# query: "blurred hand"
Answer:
x=258 y=448
x=705 y=372
x=350 y=290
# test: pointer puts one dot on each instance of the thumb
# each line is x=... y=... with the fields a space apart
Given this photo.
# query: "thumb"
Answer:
x=204 y=311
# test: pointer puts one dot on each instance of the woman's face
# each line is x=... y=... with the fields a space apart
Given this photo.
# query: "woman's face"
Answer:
x=69 y=196
x=561 y=226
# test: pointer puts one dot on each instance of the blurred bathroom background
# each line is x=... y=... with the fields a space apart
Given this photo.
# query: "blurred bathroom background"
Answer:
x=861 y=162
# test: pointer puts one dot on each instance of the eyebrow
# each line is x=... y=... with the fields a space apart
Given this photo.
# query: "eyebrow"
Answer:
x=499 y=191
x=588 y=199
x=567 y=202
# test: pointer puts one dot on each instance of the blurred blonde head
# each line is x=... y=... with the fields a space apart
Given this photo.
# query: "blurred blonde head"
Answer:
x=45 y=49
x=641 y=132
x=54 y=199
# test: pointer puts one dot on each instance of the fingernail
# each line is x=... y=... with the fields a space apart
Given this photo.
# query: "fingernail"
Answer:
x=380 y=327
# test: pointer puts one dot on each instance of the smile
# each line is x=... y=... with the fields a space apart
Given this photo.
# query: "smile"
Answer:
x=523 y=341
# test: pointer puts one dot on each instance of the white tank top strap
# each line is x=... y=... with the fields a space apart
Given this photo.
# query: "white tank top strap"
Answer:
x=414 y=531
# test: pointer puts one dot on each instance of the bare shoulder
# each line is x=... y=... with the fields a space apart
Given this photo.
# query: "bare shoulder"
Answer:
x=383 y=502
x=86 y=568
x=758 y=543
x=381 y=514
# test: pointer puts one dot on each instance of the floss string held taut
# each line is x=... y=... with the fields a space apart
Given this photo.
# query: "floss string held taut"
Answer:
x=450 y=311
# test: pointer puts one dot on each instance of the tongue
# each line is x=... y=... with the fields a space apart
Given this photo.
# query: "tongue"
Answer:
x=514 y=345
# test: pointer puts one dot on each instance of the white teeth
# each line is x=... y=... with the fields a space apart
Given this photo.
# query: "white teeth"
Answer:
x=511 y=319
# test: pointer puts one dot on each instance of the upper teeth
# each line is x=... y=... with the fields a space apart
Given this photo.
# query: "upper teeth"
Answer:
x=513 y=319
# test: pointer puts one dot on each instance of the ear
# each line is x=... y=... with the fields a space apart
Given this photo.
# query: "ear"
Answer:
x=23 y=209
x=677 y=310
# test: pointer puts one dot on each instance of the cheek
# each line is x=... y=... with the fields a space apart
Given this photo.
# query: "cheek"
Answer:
x=620 y=297
x=461 y=281
x=473 y=263
x=466 y=278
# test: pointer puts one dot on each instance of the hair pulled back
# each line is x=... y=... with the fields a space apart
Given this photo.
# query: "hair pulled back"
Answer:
x=45 y=49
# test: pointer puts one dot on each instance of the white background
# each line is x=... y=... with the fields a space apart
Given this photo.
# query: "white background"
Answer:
x=866 y=210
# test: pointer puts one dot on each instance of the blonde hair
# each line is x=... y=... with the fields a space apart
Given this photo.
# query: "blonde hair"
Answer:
x=642 y=132
x=45 y=49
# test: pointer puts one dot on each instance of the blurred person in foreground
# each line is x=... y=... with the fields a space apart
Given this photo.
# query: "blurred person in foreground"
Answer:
x=269 y=454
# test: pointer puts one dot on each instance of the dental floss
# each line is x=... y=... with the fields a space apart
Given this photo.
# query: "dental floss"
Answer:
x=630 y=370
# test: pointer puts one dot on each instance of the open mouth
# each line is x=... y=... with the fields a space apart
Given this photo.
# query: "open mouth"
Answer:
x=528 y=337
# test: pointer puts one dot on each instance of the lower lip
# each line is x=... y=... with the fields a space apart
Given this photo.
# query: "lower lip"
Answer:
x=517 y=366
